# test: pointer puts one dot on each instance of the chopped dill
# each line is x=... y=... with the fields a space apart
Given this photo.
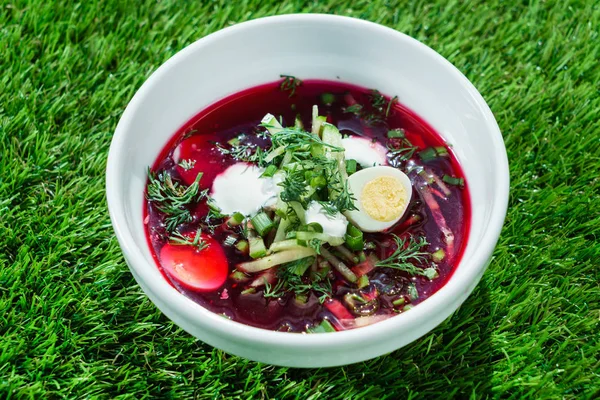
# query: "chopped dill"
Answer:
x=294 y=186
x=407 y=256
x=377 y=111
x=187 y=164
x=242 y=152
x=289 y=84
x=355 y=109
x=403 y=153
x=178 y=239
x=315 y=244
x=289 y=281
x=172 y=198
x=342 y=199
x=297 y=139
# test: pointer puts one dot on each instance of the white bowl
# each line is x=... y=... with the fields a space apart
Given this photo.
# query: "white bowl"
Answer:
x=308 y=46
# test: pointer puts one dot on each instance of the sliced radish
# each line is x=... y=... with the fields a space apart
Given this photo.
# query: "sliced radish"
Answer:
x=201 y=270
x=338 y=309
x=363 y=268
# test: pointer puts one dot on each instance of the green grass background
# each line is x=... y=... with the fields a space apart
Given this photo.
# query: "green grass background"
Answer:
x=73 y=322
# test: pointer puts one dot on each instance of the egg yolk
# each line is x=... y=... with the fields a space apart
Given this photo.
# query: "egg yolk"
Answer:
x=383 y=199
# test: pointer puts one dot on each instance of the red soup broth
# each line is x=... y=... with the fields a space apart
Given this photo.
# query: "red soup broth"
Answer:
x=242 y=113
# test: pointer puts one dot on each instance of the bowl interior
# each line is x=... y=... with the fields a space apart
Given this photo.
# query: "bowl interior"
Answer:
x=321 y=47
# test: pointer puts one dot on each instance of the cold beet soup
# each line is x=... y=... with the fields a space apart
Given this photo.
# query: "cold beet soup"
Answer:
x=307 y=206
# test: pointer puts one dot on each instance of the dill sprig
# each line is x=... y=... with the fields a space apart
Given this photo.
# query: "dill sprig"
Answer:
x=291 y=278
x=297 y=139
x=178 y=239
x=242 y=152
x=289 y=84
x=378 y=110
x=294 y=186
x=408 y=256
x=172 y=198
x=342 y=199
x=403 y=153
x=399 y=146
x=187 y=164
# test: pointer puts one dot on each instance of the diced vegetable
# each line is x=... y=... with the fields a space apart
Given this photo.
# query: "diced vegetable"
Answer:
x=338 y=309
x=236 y=219
x=275 y=259
x=297 y=207
x=284 y=245
x=399 y=302
x=267 y=277
x=239 y=276
x=431 y=153
x=350 y=166
x=363 y=281
x=269 y=171
x=274 y=154
x=262 y=223
x=354 y=238
x=347 y=254
x=270 y=122
x=300 y=266
x=332 y=240
x=230 y=240
x=339 y=266
x=257 y=247
x=396 y=134
x=363 y=321
x=324 y=327
x=243 y=246
x=327 y=98
x=281 y=229
x=453 y=181
x=298 y=122
x=438 y=255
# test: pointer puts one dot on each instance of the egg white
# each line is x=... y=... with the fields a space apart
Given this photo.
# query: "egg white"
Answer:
x=356 y=184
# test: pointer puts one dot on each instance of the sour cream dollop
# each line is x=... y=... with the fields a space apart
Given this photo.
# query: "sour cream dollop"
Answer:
x=366 y=152
x=333 y=225
x=240 y=188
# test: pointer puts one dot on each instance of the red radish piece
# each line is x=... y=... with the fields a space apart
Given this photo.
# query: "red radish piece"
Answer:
x=338 y=309
x=363 y=321
x=268 y=276
x=201 y=270
x=363 y=268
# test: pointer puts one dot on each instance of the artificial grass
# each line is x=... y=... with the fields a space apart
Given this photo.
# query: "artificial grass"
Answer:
x=73 y=322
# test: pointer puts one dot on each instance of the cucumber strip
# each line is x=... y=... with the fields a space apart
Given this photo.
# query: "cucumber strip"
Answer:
x=274 y=153
x=275 y=259
x=270 y=122
x=297 y=207
x=281 y=230
x=257 y=247
x=282 y=245
x=332 y=240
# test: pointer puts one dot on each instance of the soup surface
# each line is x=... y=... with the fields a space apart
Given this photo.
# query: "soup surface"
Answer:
x=307 y=206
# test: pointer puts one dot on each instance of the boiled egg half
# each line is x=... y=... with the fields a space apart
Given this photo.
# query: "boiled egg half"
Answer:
x=382 y=196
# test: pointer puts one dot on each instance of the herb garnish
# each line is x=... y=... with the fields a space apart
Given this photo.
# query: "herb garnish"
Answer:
x=289 y=84
x=172 y=198
x=290 y=281
x=178 y=239
x=187 y=164
x=242 y=152
x=378 y=110
x=407 y=255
